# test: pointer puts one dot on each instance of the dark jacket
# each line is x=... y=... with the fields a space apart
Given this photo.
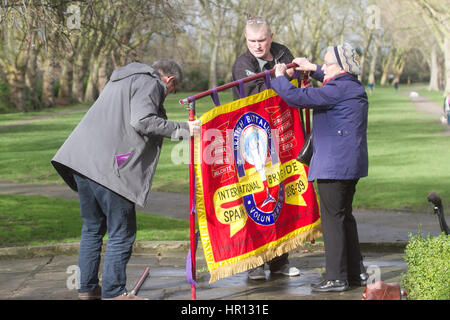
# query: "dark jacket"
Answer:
x=118 y=142
x=339 y=124
x=247 y=65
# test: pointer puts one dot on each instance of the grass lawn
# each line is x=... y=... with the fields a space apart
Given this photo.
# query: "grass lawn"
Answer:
x=436 y=96
x=9 y=118
x=33 y=220
x=408 y=158
x=27 y=149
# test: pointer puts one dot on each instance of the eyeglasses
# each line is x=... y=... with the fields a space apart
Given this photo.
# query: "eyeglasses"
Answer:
x=328 y=63
x=257 y=21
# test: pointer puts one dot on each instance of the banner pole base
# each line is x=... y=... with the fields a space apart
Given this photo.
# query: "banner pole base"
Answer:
x=192 y=201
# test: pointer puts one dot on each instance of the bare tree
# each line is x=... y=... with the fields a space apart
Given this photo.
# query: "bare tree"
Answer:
x=17 y=33
x=436 y=14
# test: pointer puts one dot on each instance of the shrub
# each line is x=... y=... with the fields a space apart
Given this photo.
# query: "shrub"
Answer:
x=5 y=104
x=427 y=276
x=195 y=80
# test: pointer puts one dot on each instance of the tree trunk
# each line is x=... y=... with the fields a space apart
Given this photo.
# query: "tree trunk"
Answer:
x=447 y=64
x=198 y=59
x=215 y=16
x=386 y=68
x=92 y=91
x=384 y=75
x=399 y=64
x=213 y=64
x=31 y=79
x=104 y=71
x=398 y=72
x=373 y=62
x=65 y=85
x=48 y=81
x=78 y=77
x=364 y=56
x=16 y=82
x=434 y=70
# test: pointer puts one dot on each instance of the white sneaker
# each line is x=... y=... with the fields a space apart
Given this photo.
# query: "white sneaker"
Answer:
x=257 y=274
x=288 y=271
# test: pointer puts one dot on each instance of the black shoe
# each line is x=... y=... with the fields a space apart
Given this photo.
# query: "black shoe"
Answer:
x=330 y=286
x=360 y=281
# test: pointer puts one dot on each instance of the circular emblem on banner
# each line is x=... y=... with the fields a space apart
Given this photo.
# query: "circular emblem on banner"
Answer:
x=253 y=148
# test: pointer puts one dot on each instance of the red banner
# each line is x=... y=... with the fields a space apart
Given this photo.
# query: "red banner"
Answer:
x=253 y=198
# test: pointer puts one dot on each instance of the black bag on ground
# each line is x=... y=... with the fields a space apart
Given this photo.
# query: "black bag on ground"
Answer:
x=307 y=151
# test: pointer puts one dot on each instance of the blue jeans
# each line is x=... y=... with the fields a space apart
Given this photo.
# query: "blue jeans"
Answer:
x=104 y=211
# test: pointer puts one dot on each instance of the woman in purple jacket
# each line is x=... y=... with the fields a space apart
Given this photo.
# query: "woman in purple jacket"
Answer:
x=339 y=158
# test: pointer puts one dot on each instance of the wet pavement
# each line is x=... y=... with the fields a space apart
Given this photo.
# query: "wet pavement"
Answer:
x=53 y=277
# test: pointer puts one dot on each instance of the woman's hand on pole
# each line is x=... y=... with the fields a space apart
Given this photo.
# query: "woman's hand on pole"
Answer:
x=280 y=69
x=304 y=65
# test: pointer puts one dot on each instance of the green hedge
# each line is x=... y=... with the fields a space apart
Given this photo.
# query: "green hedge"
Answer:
x=5 y=105
x=428 y=273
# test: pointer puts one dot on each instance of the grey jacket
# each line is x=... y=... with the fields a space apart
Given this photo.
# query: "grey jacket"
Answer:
x=118 y=141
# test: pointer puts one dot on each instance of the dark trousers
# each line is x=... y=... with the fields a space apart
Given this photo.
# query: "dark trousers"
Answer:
x=104 y=211
x=277 y=262
x=340 y=234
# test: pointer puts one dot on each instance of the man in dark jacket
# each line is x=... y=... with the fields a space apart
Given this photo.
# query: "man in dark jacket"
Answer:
x=262 y=55
x=339 y=158
x=110 y=159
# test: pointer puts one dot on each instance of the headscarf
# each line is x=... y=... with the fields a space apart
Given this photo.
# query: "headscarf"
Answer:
x=347 y=58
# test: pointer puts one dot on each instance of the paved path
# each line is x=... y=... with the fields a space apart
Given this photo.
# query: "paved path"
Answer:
x=52 y=277
x=425 y=104
x=373 y=226
x=42 y=117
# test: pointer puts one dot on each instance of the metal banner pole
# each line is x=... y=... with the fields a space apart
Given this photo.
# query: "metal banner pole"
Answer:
x=191 y=200
x=231 y=85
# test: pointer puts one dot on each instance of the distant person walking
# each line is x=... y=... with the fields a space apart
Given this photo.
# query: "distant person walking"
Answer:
x=447 y=107
x=371 y=85
x=396 y=85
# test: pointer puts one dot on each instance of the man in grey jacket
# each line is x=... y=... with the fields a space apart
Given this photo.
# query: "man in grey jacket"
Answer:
x=110 y=159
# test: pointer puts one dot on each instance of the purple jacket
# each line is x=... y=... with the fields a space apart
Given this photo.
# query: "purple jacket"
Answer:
x=340 y=110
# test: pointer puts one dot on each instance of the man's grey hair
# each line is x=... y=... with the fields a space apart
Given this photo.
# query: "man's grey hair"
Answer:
x=169 y=68
x=256 y=24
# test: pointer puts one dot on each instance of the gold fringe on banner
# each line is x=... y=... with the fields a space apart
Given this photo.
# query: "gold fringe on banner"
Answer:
x=276 y=250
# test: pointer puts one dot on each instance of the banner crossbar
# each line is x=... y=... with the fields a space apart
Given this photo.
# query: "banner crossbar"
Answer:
x=229 y=85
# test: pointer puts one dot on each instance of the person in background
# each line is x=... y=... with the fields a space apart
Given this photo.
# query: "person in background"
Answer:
x=447 y=108
x=340 y=157
x=262 y=55
x=396 y=85
x=371 y=85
